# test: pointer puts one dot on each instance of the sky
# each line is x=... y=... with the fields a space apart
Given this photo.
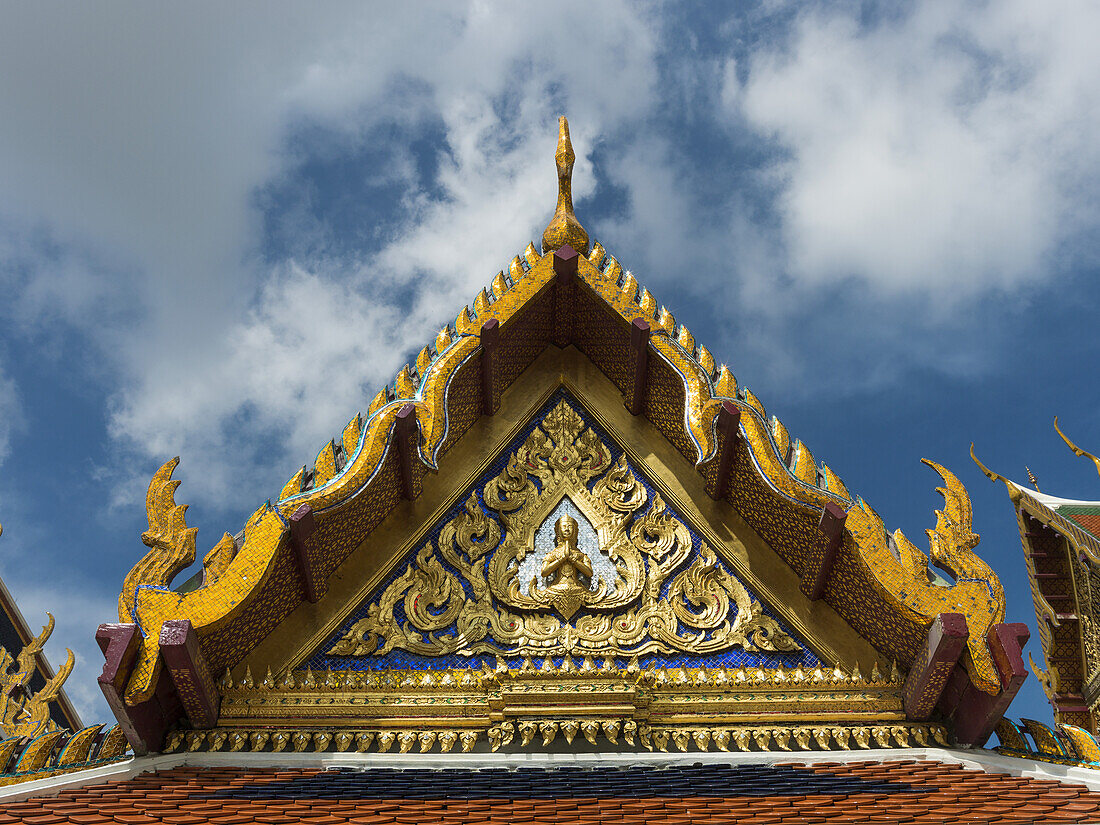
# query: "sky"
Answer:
x=224 y=226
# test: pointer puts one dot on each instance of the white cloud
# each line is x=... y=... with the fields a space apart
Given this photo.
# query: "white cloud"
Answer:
x=208 y=370
x=943 y=153
x=948 y=151
x=11 y=415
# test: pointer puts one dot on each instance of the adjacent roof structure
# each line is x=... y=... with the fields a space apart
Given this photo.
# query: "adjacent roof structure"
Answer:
x=35 y=700
x=1061 y=543
x=40 y=733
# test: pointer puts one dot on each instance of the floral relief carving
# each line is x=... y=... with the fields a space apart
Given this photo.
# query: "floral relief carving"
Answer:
x=655 y=594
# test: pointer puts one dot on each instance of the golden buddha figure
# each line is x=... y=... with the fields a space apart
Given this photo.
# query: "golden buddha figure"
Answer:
x=567 y=568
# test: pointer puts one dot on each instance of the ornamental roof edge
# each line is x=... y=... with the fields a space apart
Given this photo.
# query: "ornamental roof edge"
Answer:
x=412 y=418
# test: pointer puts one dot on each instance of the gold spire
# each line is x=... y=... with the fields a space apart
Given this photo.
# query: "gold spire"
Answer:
x=564 y=228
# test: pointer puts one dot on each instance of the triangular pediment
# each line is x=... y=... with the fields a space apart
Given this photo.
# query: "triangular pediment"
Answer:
x=399 y=551
x=476 y=617
x=561 y=547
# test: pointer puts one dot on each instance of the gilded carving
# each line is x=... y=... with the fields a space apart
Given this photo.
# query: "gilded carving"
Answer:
x=24 y=713
x=479 y=603
x=689 y=405
x=977 y=591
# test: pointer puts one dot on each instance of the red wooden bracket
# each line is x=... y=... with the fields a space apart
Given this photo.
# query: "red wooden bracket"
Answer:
x=933 y=665
x=179 y=644
x=405 y=434
x=302 y=525
x=119 y=643
x=639 y=345
x=490 y=347
x=143 y=724
x=976 y=712
x=717 y=479
x=565 y=270
x=820 y=564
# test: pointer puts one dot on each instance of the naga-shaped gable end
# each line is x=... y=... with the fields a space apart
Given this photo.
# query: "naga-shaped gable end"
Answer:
x=977 y=592
x=170 y=541
x=25 y=713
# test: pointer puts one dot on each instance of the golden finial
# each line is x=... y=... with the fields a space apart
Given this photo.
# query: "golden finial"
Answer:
x=1077 y=451
x=564 y=228
x=1031 y=477
x=1013 y=491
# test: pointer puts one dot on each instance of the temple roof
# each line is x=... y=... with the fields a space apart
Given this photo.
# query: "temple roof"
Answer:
x=1061 y=544
x=34 y=698
x=921 y=787
x=786 y=528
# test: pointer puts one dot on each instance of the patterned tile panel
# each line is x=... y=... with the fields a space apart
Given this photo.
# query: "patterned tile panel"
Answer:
x=604 y=336
x=524 y=336
x=856 y=792
x=849 y=591
x=1087 y=517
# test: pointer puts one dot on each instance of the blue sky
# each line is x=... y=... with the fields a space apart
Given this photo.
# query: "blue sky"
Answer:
x=223 y=227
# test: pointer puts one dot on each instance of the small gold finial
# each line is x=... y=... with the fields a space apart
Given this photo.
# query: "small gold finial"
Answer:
x=1031 y=477
x=564 y=228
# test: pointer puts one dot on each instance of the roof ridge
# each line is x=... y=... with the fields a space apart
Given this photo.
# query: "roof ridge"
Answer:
x=336 y=456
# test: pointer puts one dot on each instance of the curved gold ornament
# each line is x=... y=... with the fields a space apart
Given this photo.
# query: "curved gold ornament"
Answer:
x=977 y=591
x=171 y=543
x=217 y=601
x=1077 y=451
x=24 y=713
x=706 y=608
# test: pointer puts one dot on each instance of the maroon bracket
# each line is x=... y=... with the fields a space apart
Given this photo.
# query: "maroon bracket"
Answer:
x=179 y=645
x=974 y=712
x=640 y=332
x=726 y=429
x=406 y=434
x=145 y=723
x=820 y=565
x=490 y=357
x=933 y=665
x=302 y=525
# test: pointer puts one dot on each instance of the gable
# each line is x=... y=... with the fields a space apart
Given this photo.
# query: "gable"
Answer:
x=785 y=533
x=479 y=456
x=494 y=577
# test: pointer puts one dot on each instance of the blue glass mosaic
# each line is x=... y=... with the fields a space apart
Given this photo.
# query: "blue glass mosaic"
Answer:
x=404 y=660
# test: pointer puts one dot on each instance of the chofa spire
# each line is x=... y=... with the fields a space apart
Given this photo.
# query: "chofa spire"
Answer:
x=564 y=228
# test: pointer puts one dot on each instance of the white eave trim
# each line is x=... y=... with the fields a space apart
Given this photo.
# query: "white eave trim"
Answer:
x=982 y=760
x=1053 y=502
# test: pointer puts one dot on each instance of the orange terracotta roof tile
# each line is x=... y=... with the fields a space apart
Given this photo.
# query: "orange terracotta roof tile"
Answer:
x=913 y=791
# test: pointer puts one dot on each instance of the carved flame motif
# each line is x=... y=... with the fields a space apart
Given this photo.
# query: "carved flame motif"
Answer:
x=484 y=607
x=25 y=713
x=171 y=543
x=977 y=592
